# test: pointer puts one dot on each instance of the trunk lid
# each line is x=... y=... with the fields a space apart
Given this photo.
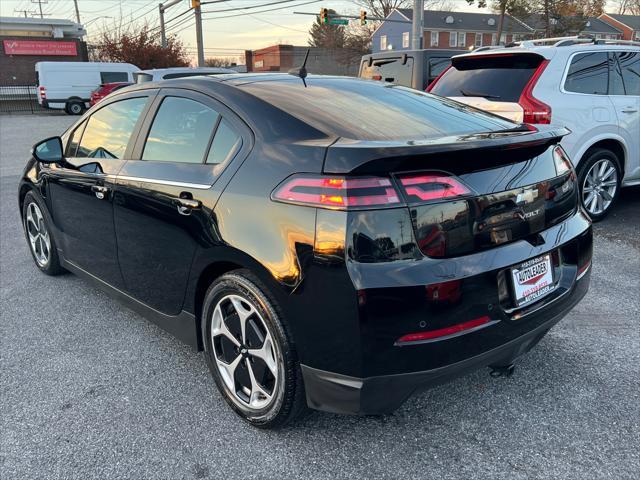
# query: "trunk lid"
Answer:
x=511 y=110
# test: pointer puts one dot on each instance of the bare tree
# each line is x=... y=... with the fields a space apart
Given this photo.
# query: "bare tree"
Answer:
x=627 y=7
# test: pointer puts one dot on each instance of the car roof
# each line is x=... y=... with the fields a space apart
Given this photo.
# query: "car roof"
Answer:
x=187 y=69
x=549 y=51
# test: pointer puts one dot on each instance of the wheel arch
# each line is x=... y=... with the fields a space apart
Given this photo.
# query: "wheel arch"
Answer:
x=614 y=144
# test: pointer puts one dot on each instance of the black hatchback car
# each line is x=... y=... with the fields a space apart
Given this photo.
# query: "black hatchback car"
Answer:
x=333 y=243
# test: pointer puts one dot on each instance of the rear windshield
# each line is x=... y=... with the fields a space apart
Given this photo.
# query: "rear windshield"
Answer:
x=369 y=110
x=500 y=79
x=389 y=70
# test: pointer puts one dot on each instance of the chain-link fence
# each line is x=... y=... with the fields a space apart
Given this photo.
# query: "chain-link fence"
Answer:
x=19 y=98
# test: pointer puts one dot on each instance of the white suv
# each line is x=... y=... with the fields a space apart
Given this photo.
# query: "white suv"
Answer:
x=591 y=87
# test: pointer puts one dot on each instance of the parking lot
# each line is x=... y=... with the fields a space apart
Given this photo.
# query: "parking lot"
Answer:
x=90 y=389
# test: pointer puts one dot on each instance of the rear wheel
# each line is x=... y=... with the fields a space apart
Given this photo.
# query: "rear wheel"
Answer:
x=74 y=107
x=249 y=353
x=600 y=177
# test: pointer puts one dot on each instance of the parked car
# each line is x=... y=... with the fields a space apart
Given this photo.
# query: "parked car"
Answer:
x=68 y=85
x=105 y=89
x=411 y=68
x=156 y=74
x=591 y=88
x=320 y=240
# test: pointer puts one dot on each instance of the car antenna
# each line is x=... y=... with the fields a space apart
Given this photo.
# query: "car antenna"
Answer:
x=302 y=70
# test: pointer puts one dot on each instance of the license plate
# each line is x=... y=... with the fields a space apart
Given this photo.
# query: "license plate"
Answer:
x=532 y=280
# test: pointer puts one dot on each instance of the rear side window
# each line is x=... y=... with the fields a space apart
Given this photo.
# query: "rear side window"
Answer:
x=112 y=77
x=180 y=132
x=496 y=78
x=630 y=65
x=225 y=144
x=588 y=73
x=109 y=129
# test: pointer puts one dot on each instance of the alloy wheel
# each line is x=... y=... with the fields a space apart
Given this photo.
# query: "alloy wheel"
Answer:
x=38 y=234
x=246 y=356
x=599 y=187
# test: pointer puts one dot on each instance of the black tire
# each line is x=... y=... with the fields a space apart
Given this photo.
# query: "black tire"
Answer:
x=288 y=400
x=590 y=159
x=74 y=107
x=52 y=264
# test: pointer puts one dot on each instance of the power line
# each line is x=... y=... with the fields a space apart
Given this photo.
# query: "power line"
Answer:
x=263 y=11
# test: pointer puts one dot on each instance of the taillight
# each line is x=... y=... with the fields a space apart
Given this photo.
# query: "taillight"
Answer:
x=376 y=77
x=339 y=193
x=561 y=160
x=535 y=111
x=431 y=186
x=43 y=92
x=435 y=80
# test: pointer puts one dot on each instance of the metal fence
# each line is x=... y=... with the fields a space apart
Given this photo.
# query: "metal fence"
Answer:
x=19 y=98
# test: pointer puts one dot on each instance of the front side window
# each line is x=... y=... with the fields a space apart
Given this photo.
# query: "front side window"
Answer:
x=180 y=131
x=111 y=77
x=109 y=129
x=405 y=40
x=630 y=66
x=434 y=39
x=453 y=37
x=588 y=73
x=74 y=140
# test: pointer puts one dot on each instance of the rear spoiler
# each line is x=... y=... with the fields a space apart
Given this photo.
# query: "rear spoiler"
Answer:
x=357 y=156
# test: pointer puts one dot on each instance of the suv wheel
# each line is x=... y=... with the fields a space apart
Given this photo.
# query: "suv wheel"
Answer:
x=599 y=177
x=249 y=353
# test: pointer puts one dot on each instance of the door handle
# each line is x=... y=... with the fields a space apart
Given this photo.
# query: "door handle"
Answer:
x=100 y=191
x=186 y=205
x=630 y=110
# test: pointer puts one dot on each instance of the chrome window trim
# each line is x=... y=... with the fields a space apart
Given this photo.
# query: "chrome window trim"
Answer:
x=171 y=183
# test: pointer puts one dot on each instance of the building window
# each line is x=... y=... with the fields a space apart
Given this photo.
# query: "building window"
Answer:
x=494 y=39
x=434 y=39
x=453 y=37
x=462 y=39
x=383 y=42
x=405 y=40
x=503 y=39
x=478 y=39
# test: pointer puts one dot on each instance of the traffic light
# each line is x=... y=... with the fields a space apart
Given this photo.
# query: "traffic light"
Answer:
x=363 y=17
x=324 y=15
x=195 y=3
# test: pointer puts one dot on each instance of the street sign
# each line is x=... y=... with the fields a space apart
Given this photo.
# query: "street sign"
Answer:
x=338 y=21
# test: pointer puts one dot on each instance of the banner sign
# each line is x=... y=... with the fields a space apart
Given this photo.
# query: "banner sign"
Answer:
x=39 y=47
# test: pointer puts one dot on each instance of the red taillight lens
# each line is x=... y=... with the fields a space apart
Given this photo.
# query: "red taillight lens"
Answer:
x=431 y=186
x=337 y=192
x=435 y=80
x=376 y=77
x=535 y=111
x=43 y=92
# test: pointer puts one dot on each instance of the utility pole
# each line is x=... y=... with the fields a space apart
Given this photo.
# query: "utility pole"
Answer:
x=40 y=2
x=417 y=27
x=161 y=9
x=75 y=2
x=200 y=44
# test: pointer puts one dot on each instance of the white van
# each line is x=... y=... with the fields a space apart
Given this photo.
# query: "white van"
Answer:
x=68 y=85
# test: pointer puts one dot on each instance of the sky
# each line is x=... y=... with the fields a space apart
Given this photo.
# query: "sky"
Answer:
x=226 y=33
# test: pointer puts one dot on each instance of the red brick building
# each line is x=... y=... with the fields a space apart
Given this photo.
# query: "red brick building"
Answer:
x=629 y=25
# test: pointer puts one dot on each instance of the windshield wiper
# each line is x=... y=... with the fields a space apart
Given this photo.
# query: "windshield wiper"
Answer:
x=469 y=93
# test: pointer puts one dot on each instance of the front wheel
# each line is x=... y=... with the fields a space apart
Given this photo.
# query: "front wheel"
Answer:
x=599 y=177
x=38 y=232
x=249 y=352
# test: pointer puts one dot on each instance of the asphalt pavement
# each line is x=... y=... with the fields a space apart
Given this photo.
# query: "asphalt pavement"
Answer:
x=89 y=389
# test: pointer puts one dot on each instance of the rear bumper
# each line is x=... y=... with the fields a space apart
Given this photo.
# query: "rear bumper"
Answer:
x=333 y=392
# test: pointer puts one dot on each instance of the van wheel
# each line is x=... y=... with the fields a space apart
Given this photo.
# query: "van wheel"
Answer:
x=74 y=108
x=599 y=177
x=250 y=353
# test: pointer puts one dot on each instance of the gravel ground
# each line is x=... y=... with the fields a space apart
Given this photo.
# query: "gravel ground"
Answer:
x=91 y=390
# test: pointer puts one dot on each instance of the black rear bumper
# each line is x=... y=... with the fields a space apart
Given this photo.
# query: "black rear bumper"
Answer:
x=332 y=392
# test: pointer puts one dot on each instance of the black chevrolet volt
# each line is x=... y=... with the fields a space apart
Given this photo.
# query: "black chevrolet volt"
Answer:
x=329 y=242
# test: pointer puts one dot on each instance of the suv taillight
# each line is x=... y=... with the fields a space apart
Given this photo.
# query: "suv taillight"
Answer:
x=535 y=111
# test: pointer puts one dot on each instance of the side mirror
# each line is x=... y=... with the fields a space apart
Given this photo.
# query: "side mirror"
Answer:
x=48 y=150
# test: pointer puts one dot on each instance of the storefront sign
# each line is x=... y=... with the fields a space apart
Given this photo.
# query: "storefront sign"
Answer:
x=39 y=47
